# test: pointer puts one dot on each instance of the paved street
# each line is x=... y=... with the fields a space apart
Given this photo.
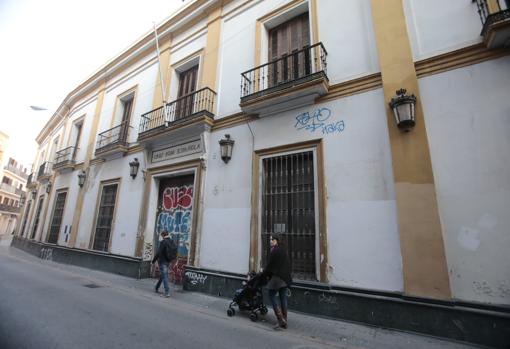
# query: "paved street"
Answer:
x=48 y=305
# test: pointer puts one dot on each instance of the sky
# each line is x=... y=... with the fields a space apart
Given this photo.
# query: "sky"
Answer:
x=49 y=47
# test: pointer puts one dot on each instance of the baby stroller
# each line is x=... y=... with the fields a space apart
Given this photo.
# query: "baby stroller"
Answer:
x=249 y=297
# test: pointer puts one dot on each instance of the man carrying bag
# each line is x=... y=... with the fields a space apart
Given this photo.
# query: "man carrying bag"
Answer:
x=167 y=252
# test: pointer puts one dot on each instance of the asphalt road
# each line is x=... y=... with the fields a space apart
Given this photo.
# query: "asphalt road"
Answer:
x=46 y=307
x=49 y=305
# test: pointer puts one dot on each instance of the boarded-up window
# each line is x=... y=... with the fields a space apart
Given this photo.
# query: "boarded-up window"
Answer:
x=286 y=44
x=185 y=97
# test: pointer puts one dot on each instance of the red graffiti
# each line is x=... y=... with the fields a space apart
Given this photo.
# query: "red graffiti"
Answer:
x=174 y=197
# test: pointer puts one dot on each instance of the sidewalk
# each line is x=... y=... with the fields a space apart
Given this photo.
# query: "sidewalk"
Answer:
x=335 y=333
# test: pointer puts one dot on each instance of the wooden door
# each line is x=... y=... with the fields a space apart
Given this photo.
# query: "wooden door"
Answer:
x=185 y=97
x=286 y=43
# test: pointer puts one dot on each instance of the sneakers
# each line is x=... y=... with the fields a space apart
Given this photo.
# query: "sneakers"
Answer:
x=166 y=295
x=156 y=290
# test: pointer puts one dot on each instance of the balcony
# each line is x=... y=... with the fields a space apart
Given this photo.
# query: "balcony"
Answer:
x=185 y=117
x=495 y=17
x=16 y=170
x=44 y=172
x=112 y=141
x=10 y=189
x=9 y=209
x=30 y=181
x=64 y=159
x=292 y=81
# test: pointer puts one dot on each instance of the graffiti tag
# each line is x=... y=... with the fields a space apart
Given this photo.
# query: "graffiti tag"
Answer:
x=323 y=298
x=317 y=121
x=46 y=253
x=196 y=278
x=177 y=197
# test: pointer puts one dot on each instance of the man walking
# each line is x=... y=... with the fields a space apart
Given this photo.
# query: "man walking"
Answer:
x=167 y=252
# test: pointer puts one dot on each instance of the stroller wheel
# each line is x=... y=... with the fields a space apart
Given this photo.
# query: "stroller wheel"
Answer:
x=231 y=312
x=263 y=310
x=253 y=316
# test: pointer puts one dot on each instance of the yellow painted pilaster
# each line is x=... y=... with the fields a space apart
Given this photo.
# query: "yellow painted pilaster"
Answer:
x=88 y=157
x=493 y=6
x=421 y=241
x=157 y=101
x=210 y=66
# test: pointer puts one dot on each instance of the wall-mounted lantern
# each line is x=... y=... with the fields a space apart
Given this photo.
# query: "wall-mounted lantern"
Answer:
x=133 y=168
x=226 y=147
x=34 y=194
x=22 y=200
x=403 y=107
x=48 y=187
x=81 y=178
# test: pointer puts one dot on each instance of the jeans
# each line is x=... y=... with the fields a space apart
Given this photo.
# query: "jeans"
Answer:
x=163 y=277
x=282 y=292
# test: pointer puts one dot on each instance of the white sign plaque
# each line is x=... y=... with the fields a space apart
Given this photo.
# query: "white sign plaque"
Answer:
x=177 y=151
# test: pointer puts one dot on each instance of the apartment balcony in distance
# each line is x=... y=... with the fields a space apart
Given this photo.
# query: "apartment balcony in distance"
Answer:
x=64 y=159
x=291 y=81
x=112 y=142
x=495 y=17
x=44 y=172
x=9 y=209
x=185 y=118
x=31 y=182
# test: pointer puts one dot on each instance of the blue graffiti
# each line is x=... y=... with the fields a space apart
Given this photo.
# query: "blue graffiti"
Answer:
x=317 y=121
x=178 y=224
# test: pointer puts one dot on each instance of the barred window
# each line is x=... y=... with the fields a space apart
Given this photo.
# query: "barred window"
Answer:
x=27 y=211
x=105 y=217
x=37 y=217
x=288 y=209
x=56 y=220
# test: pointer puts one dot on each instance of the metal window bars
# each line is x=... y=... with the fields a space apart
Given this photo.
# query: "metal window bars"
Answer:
x=490 y=16
x=64 y=156
x=288 y=209
x=115 y=135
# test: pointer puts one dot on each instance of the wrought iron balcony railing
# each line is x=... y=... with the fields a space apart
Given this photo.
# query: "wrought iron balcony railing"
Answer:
x=114 y=136
x=285 y=72
x=30 y=179
x=9 y=208
x=64 y=157
x=490 y=16
x=44 y=170
x=183 y=108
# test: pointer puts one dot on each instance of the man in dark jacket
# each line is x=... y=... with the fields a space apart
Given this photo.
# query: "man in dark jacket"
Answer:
x=165 y=255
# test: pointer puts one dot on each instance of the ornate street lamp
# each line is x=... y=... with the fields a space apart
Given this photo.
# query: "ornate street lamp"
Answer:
x=81 y=178
x=403 y=107
x=34 y=194
x=226 y=147
x=48 y=187
x=133 y=168
x=22 y=200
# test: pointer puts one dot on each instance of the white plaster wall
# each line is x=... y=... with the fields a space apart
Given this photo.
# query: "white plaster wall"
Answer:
x=345 y=29
x=128 y=203
x=87 y=110
x=467 y=115
x=363 y=239
x=144 y=80
x=438 y=26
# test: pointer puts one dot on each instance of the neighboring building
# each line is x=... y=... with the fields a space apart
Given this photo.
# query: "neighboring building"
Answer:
x=13 y=178
x=381 y=224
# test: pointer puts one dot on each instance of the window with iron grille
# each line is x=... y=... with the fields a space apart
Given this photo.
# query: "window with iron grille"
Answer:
x=288 y=209
x=37 y=217
x=27 y=211
x=56 y=220
x=105 y=217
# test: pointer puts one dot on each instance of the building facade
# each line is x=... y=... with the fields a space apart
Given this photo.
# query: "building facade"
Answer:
x=13 y=178
x=299 y=92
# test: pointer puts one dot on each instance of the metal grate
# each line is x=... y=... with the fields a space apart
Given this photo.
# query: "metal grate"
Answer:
x=56 y=221
x=105 y=218
x=288 y=209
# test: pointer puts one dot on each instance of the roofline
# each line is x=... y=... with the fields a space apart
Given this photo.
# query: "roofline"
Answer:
x=182 y=16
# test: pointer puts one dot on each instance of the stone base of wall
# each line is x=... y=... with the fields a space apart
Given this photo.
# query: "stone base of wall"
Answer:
x=473 y=323
x=116 y=264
